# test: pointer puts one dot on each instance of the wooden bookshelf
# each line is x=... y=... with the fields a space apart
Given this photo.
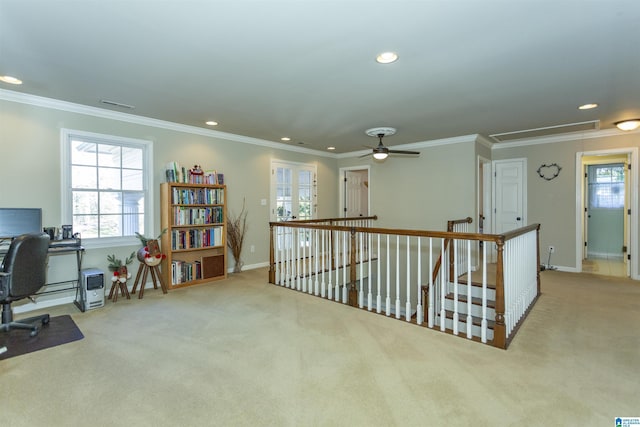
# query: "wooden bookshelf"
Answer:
x=195 y=217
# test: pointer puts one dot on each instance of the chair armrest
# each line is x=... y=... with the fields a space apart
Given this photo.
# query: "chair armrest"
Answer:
x=5 y=284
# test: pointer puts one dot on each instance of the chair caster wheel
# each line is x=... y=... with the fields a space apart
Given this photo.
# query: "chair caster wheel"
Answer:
x=45 y=320
x=34 y=332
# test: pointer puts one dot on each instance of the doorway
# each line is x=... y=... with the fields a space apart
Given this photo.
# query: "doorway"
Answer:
x=509 y=195
x=608 y=239
x=354 y=191
x=293 y=191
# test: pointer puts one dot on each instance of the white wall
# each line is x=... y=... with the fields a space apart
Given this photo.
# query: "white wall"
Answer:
x=422 y=192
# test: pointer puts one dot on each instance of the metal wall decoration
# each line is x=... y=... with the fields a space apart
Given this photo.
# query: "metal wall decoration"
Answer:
x=549 y=172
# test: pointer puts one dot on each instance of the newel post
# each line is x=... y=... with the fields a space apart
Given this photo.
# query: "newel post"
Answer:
x=353 y=291
x=499 y=328
x=272 y=265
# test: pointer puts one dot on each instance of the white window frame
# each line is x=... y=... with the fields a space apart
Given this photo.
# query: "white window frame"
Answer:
x=67 y=206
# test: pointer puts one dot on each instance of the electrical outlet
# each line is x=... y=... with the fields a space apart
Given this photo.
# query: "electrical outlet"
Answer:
x=253 y=248
x=552 y=249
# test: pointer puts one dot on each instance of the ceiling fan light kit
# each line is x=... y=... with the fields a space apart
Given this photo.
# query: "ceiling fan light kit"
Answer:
x=381 y=152
x=628 y=125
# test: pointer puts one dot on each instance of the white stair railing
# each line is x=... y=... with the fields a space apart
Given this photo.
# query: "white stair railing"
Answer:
x=353 y=264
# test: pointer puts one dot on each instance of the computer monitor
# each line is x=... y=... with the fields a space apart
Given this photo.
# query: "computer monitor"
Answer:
x=17 y=221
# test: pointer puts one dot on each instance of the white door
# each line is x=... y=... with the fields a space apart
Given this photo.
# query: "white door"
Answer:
x=293 y=191
x=509 y=194
x=356 y=193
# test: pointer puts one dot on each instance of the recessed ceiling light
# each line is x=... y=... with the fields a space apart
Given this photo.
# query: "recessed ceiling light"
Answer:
x=587 y=106
x=11 y=80
x=628 y=125
x=331 y=148
x=211 y=123
x=387 y=57
x=285 y=138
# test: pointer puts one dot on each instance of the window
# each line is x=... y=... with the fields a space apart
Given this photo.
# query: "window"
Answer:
x=107 y=182
x=606 y=186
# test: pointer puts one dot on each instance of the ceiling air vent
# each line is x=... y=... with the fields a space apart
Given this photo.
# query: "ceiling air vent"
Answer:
x=116 y=104
x=547 y=131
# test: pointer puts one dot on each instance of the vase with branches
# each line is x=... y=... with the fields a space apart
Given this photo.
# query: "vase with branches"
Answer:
x=236 y=230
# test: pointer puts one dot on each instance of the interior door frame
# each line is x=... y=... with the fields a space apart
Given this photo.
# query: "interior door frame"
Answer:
x=341 y=193
x=484 y=196
x=632 y=155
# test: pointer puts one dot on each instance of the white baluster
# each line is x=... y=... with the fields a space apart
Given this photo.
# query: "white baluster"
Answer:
x=317 y=261
x=287 y=258
x=388 y=300
x=483 y=323
x=370 y=294
x=344 y=267
x=397 y=276
x=443 y=285
x=276 y=254
x=331 y=264
x=379 y=296
x=303 y=260
x=469 y=319
x=431 y=314
x=297 y=259
x=336 y=293
x=419 y=310
x=360 y=256
x=407 y=308
x=324 y=257
x=456 y=316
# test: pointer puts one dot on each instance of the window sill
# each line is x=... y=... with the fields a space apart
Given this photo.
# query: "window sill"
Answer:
x=110 y=242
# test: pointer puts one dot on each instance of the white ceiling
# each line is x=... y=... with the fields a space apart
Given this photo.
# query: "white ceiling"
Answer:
x=306 y=69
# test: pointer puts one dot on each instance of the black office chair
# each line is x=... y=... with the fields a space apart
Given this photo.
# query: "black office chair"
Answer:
x=22 y=273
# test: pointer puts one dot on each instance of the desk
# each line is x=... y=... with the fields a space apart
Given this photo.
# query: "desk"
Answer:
x=74 y=284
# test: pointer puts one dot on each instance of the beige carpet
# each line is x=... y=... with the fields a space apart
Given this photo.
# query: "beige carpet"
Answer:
x=243 y=352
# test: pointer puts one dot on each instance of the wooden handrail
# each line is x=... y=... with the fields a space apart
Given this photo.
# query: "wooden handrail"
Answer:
x=311 y=221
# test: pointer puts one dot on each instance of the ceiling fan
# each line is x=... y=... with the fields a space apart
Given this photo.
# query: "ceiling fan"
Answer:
x=381 y=152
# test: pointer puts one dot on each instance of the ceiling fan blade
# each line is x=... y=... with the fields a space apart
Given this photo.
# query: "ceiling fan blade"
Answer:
x=364 y=155
x=403 y=152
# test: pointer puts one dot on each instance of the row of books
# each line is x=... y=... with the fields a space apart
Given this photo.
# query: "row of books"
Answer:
x=182 y=271
x=196 y=238
x=176 y=173
x=197 y=216
x=197 y=196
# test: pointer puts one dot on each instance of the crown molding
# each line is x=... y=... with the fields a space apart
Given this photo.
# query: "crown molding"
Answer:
x=56 y=104
x=40 y=101
x=573 y=136
x=485 y=141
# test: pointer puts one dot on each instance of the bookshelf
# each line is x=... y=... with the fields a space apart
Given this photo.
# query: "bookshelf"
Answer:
x=195 y=242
